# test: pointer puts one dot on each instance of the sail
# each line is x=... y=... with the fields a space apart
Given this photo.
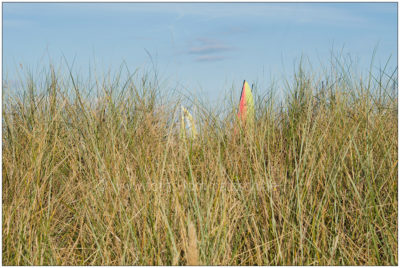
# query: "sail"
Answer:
x=246 y=104
x=188 y=127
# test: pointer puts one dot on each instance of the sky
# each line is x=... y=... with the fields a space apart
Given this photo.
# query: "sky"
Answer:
x=204 y=48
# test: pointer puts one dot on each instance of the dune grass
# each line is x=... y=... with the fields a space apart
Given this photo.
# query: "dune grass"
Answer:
x=110 y=182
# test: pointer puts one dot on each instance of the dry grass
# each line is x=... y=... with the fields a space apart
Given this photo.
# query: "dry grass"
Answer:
x=111 y=183
x=192 y=254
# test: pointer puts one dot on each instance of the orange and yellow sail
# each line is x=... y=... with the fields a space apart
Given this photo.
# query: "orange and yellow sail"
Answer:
x=246 y=105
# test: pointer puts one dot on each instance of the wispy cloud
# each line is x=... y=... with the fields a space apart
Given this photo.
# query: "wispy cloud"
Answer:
x=209 y=49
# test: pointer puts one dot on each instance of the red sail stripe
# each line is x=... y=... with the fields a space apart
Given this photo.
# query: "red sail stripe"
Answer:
x=242 y=106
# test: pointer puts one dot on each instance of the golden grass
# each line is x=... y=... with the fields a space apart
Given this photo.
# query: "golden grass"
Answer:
x=112 y=183
x=192 y=254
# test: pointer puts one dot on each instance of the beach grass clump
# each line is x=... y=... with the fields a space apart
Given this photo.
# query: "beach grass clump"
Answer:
x=104 y=178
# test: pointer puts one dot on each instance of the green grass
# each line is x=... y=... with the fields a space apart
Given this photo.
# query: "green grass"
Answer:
x=111 y=183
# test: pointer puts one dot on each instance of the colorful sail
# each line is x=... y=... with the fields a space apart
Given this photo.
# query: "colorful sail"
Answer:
x=246 y=105
x=188 y=127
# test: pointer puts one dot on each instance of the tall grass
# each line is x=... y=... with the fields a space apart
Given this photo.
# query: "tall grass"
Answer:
x=110 y=182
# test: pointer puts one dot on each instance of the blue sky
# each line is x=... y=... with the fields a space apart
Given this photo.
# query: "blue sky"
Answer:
x=203 y=47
